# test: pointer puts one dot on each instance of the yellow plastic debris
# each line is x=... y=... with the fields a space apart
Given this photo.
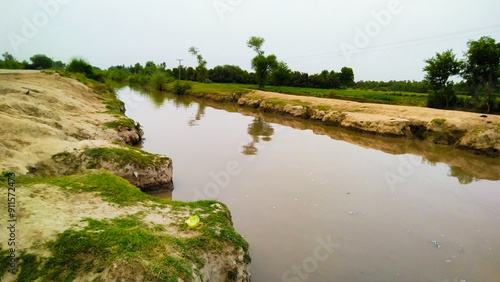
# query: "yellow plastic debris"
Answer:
x=193 y=221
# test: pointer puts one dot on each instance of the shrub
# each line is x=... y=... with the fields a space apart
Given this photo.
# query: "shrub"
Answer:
x=159 y=80
x=40 y=62
x=330 y=94
x=181 y=88
x=80 y=66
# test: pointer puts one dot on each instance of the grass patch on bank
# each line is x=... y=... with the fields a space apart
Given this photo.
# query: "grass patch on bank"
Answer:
x=110 y=187
x=367 y=96
x=128 y=241
x=216 y=88
x=123 y=122
x=439 y=121
x=123 y=241
x=282 y=102
x=115 y=107
x=123 y=156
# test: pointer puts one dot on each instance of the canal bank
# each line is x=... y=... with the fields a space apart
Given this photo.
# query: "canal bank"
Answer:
x=462 y=130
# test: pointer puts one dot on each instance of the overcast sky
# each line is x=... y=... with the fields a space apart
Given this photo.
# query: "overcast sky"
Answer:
x=379 y=39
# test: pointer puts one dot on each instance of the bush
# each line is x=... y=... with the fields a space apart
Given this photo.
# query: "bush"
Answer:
x=11 y=64
x=330 y=94
x=80 y=66
x=159 y=80
x=181 y=88
x=40 y=61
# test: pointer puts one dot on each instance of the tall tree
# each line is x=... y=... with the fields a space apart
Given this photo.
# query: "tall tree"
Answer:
x=482 y=69
x=40 y=61
x=201 y=69
x=8 y=56
x=439 y=69
x=261 y=64
x=346 y=77
x=281 y=74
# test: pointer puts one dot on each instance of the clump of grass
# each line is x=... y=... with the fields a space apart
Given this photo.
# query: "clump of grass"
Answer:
x=110 y=187
x=277 y=101
x=323 y=108
x=123 y=156
x=123 y=122
x=115 y=107
x=439 y=121
x=180 y=88
x=159 y=81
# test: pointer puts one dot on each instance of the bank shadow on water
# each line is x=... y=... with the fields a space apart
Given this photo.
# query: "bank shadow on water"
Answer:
x=467 y=167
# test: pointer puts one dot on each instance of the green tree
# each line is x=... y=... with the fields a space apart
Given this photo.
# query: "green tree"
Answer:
x=58 y=65
x=482 y=69
x=80 y=66
x=346 y=77
x=10 y=62
x=439 y=70
x=149 y=68
x=8 y=57
x=261 y=64
x=281 y=74
x=40 y=61
x=201 y=69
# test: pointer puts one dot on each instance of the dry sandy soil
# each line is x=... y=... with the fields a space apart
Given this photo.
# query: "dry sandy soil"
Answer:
x=58 y=114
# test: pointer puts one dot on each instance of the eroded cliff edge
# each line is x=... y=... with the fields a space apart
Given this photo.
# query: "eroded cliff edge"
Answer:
x=81 y=214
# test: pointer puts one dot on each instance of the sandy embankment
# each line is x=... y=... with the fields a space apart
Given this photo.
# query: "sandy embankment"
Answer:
x=53 y=125
x=58 y=114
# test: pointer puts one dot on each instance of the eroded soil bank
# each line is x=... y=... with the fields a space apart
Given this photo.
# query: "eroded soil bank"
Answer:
x=463 y=130
x=79 y=212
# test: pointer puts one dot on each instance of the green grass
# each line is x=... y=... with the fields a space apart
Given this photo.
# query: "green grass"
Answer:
x=123 y=122
x=216 y=88
x=109 y=186
x=439 y=121
x=400 y=98
x=281 y=102
x=115 y=107
x=101 y=243
x=128 y=240
x=122 y=157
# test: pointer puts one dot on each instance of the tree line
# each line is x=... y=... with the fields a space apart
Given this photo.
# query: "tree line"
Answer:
x=479 y=89
x=37 y=62
x=480 y=70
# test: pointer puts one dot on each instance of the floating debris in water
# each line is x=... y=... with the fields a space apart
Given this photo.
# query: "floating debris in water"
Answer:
x=436 y=244
x=448 y=261
x=353 y=213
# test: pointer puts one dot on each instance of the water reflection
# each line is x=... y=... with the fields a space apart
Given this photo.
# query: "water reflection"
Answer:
x=257 y=129
x=199 y=114
x=463 y=176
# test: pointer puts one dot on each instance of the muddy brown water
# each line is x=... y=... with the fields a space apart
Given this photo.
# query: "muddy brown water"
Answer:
x=317 y=203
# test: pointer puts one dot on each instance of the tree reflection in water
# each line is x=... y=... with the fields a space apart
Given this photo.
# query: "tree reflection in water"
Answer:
x=257 y=129
x=199 y=114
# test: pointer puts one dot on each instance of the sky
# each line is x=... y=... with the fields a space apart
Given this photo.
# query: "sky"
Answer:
x=379 y=39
